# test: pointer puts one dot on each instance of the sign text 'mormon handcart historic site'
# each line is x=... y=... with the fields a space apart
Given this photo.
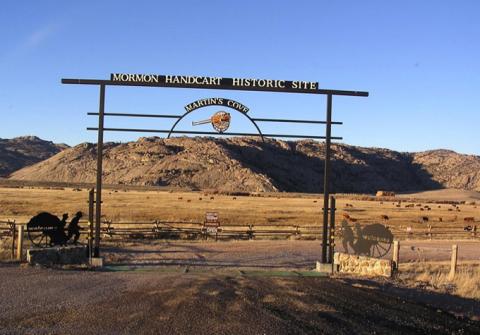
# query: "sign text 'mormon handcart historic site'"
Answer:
x=238 y=83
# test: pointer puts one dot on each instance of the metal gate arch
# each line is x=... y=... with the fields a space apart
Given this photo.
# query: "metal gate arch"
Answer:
x=188 y=112
x=218 y=83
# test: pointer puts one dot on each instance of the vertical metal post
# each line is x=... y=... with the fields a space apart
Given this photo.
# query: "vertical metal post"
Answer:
x=326 y=178
x=91 y=201
x=331 y=248
x=13 y=229
x=98 y=200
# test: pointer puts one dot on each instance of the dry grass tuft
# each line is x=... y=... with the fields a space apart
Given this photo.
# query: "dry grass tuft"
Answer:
x=435 y=276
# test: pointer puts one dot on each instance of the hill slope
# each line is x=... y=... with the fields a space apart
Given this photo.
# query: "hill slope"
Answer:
x=246 y=164
x=19 y=152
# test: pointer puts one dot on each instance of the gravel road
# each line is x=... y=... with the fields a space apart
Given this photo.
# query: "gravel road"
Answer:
x=172 y=300
x=268 y=254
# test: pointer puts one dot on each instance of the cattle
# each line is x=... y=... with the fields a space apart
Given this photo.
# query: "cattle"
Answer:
x=180 y=198
x=212 y=198
x=234 y=198
x=384 y=217
x=346 y=216
x=440 y=219
x=424 y=219
x=200 y=198
x=409 y=206
x=469 y=219
x=348 y=205
x=352 y=219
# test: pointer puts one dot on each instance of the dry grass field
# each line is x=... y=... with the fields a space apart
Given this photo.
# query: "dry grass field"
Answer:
x=270 y=209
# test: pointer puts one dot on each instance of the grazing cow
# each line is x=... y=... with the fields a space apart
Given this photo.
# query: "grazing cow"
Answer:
x=424 y=219
x=352 y=219
x=385 y=217
x=346 y=216
x=315 y=201
x=235 y=198
x=469 y=219
x=468 y=228
x=212 y=198
x=200 y=198
x=422 y=209
x=418 y=205
x=348 y=205
x=409 y=206
x=180 y=198
x=189 y=200
x=440 y=219
x=450 y=209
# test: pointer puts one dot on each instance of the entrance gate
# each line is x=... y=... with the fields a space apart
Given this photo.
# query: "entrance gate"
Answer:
x=217 y=83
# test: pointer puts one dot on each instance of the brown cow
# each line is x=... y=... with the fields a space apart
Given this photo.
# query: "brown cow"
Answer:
x=469 y=219
x=385 y=217
x=424 y=219
x=346 y=216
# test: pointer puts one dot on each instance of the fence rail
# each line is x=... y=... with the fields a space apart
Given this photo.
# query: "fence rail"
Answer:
x=195 y=229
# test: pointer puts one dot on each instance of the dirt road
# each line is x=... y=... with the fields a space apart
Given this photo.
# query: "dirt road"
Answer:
x=172 y=301
x=267 y=254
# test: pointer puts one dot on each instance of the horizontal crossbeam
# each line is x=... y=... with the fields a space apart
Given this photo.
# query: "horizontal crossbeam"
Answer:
x=179 y=116
x=212 y=87
x=140 y=115
x=189 y=132
x=294 y=121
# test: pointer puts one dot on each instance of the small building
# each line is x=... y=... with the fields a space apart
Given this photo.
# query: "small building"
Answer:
x=385 y=194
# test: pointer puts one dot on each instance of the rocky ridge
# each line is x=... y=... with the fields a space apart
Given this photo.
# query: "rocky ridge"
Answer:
x=250 y=165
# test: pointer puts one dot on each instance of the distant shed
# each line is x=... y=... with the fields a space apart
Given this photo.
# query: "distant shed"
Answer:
x=385 y=194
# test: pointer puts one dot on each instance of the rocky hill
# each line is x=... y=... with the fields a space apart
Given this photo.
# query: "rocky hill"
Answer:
x=246 y=164
x=19 y=152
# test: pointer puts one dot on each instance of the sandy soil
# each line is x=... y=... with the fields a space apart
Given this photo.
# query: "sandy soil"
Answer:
x=44 y=301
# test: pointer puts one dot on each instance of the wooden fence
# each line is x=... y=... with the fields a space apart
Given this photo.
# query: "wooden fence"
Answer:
x=195 y=230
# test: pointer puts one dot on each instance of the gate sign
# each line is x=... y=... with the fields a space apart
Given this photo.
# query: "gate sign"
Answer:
x=211 y=217
x=211 y=223
x=216 y=82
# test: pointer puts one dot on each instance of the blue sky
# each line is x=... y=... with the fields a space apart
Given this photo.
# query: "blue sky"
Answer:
x=420 y=61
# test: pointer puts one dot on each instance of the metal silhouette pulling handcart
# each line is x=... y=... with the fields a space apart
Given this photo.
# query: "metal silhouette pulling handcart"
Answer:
x=373 y=240
x=47 y=230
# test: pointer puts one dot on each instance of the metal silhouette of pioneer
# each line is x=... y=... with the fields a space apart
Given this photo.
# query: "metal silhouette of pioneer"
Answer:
x=220 y=121
x=218 y=83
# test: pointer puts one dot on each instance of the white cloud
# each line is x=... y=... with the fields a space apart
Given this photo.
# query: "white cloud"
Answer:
x=37 y=37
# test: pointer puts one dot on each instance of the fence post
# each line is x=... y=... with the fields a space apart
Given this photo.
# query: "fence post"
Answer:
x=453 y=262
x=396 y=254
x=20 y=243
